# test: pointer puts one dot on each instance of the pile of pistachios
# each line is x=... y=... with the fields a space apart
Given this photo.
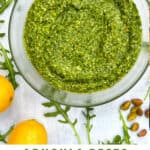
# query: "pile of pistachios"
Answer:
x=135 y=106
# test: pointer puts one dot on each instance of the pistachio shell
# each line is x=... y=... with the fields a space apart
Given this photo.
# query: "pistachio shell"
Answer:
x=139 y=112
x=135 y=126
x=132 y=116
x=125 y=105
x=142 y=133
x=137 y=102
x=147 y=113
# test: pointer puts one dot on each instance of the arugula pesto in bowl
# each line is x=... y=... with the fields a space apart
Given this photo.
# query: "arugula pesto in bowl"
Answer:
x=83 y=45
x=80 y=52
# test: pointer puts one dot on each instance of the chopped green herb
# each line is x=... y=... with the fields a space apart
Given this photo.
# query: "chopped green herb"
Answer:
x=83 y=46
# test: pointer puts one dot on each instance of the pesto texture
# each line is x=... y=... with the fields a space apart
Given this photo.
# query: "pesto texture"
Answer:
x=83 y=46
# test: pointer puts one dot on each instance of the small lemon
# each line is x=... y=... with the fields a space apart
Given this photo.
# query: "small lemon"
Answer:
x=6 y=93
x=28 y=132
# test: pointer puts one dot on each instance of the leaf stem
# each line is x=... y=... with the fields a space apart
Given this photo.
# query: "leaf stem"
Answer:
x=88 y=124
x=67 y=119
x=147 y=93
x=4 y=136
x=76 y=133
x=9 y=66
x=125 y=129
x=88 y=133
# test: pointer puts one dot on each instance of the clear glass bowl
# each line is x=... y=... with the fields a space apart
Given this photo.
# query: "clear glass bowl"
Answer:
x=16 y=28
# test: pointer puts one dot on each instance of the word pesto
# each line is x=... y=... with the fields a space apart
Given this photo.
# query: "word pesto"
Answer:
x=83 y=46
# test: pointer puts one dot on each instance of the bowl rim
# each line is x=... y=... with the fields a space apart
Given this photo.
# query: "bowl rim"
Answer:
x=63 y=103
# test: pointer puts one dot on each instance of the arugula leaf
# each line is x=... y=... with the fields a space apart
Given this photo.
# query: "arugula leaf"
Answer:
x=117 y=140
x=62 y=111
x=147 y=94
x=2 y=35
x=2 y=21
x=88 y=116
x=4 y=136
x=126 y=135
x=4 y=4
x=7 y=64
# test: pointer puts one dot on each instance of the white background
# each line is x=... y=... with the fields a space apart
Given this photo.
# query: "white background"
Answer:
x=27 y=105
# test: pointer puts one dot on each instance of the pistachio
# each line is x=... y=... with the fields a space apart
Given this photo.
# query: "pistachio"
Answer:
x=125 y=105
x=132 y=116
x=135 y=126
x=142 y=133
x=137 y=102
x=147 y=113
x=134 y=109
x=139 y=112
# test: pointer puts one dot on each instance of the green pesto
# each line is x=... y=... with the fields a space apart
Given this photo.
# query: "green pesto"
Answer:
x=83 y=46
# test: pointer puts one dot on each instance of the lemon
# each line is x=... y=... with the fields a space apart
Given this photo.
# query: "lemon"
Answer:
x=28 y=132
x=6 y=93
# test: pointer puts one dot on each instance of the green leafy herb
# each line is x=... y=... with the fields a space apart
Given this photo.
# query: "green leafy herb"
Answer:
x=2 y=34
x=2 y=21
x=116 y=140
x=126 y=135
x=88 y=124
x=62 y=111
x=147 y=93
x=4 y=136
x=4 y=5
x=7 y=64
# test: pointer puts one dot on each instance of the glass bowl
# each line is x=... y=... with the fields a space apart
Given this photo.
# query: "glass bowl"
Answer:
x=27 y=70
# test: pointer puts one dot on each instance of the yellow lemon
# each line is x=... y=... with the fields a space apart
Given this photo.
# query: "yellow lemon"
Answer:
x=28 y=132
x=6 y=93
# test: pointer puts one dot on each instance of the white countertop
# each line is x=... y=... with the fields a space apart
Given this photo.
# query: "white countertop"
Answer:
x=27 y=105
